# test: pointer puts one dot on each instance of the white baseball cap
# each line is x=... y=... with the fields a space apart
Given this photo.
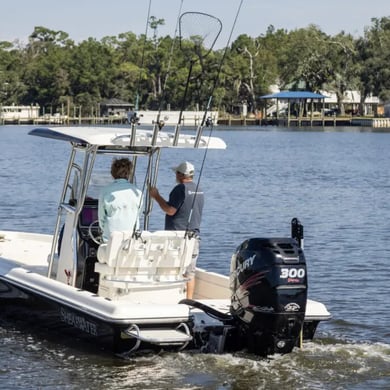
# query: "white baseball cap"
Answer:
x=186 y=168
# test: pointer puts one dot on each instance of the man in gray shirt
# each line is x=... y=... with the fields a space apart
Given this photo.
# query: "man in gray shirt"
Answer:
x=183 y=211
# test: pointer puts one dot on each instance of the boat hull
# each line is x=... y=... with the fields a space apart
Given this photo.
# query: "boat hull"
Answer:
x=41 y=314
x=37 y=313
x=38 y=302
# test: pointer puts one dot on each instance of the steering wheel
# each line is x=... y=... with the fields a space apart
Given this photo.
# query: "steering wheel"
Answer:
x=95 y=233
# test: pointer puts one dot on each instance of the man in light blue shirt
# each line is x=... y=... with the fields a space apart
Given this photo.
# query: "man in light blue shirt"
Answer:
x=120 y=202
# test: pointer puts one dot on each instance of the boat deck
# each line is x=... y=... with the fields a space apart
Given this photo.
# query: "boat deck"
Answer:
x=26 y=249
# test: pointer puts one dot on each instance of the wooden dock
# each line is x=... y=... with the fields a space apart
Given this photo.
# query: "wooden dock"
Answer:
x=170 y=118
x=234 y=121
x=332 y=121
x=285 y=122
x=65 y=121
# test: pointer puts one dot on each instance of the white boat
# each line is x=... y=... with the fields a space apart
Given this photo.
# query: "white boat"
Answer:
x=18 y=113
x=129 y=294
x=186 y=118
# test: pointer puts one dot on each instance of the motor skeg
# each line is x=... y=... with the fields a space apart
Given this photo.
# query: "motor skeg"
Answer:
x=268 y=282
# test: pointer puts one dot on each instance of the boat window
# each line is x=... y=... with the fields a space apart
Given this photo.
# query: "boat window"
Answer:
x=99 y=179
x=73 y=185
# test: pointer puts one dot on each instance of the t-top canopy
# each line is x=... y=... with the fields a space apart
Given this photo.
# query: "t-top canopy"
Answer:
x=111 y=137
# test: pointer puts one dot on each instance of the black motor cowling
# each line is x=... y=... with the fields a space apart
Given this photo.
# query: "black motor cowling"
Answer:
x=268 y=283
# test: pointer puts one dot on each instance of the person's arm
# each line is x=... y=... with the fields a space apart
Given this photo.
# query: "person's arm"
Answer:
x=167 y=208
x=101 y=213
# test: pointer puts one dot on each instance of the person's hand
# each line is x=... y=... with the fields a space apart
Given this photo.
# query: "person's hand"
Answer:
x=153 y=192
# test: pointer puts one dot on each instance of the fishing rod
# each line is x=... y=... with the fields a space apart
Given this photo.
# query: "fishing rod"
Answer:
x=158 y=124
x=198 y=31
x=206 y=121
x=153 y=161
x=216 y=81
x=132 y=116
x=136 y=106
x=202 y=31
x=151 y=177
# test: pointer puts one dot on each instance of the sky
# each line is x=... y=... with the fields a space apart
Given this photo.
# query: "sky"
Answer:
x=83 y=19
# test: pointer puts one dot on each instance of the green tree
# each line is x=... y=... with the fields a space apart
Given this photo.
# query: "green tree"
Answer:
x=374 y=58
x=301 y=59
x=46 y=64
x=52 y=70
x=344 y=70
x=131 y=73
x=251 y=69
x=12 y=87
x=94 y=73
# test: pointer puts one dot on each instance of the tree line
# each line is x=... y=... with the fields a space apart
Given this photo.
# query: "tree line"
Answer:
x=51 y=70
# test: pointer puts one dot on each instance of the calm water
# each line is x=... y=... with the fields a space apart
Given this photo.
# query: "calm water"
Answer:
x=336 y=182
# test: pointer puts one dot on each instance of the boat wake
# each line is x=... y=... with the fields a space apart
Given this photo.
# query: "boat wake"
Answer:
x=325 y=363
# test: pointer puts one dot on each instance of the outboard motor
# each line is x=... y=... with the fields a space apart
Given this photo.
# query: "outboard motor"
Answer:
x=269 y=290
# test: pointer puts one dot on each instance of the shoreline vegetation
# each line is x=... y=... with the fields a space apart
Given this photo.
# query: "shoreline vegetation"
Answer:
x=60 y=76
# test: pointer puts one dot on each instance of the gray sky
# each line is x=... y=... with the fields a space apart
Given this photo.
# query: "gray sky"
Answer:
x=82 y=19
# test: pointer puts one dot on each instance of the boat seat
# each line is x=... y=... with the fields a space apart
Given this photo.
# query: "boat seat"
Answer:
x=120 y=248
x=148 y=261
